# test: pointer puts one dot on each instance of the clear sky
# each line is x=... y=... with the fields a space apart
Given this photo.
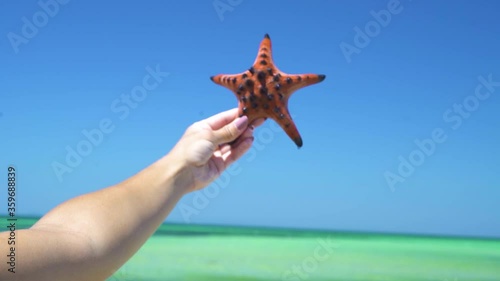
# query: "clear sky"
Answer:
x=402 y=136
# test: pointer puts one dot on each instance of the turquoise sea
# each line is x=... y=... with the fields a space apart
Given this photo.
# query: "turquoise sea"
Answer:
x=204 y=252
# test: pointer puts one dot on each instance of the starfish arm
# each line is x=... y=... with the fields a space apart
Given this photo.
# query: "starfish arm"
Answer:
x=294 y=82
x=265 y=55
x=282 y=116
x=293 y=133
x=234 y=82
x=226 y=80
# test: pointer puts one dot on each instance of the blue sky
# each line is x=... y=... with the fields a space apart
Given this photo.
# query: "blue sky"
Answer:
x=421 y=74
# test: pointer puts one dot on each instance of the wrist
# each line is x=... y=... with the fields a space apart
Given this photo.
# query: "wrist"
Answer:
x=178 y=173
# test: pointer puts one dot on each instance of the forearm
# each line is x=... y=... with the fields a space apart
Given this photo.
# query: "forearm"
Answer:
x=91 y=236
x=119 y=219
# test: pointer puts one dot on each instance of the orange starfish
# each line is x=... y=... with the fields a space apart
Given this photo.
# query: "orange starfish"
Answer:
x=263 y=90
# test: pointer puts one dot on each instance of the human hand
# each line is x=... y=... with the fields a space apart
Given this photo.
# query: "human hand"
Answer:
x=209 y=146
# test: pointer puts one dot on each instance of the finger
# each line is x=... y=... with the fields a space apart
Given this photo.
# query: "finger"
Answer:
x=231 y=131
x=224 y=148
x=246 y=134
x=257 y=122
x=237 y=150
x=220 y=120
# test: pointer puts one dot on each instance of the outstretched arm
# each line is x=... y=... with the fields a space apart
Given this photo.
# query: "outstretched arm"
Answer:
x=91 y=236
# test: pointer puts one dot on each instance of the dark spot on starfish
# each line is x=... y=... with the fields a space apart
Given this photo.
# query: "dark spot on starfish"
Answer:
x=277 y=77
x=280 y=95
x=270 y=96
x=263 y=62
x=264 y=56
x=244 y=99
x=321 y=77
x=289 y=80
x=282 y=116
x=249 y=83
x=262 y=77
x=277 y=87
x=241 y=88
x=263 y=90
x=264 y=49
x=267 y=36
x=307 y=77
x=287 y=125
x=270 y=71
x=299 y=78
x=277 y=109
x=252 y=70
x=265 y=106
x=244 y=76
x=252 y=97
x=244 y=110
x=254 y=105
x=212 y=78
x=234 y=80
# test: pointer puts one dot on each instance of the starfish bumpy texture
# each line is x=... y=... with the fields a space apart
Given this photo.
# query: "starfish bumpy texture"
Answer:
x=263 y=90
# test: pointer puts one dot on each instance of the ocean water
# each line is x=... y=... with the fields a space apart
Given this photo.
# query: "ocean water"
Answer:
x=180 y=252
x=199 y=252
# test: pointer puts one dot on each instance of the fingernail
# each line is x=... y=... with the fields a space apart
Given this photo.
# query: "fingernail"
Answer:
x=241 y=123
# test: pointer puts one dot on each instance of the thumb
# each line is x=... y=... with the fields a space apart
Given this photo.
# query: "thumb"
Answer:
x=231 y=131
